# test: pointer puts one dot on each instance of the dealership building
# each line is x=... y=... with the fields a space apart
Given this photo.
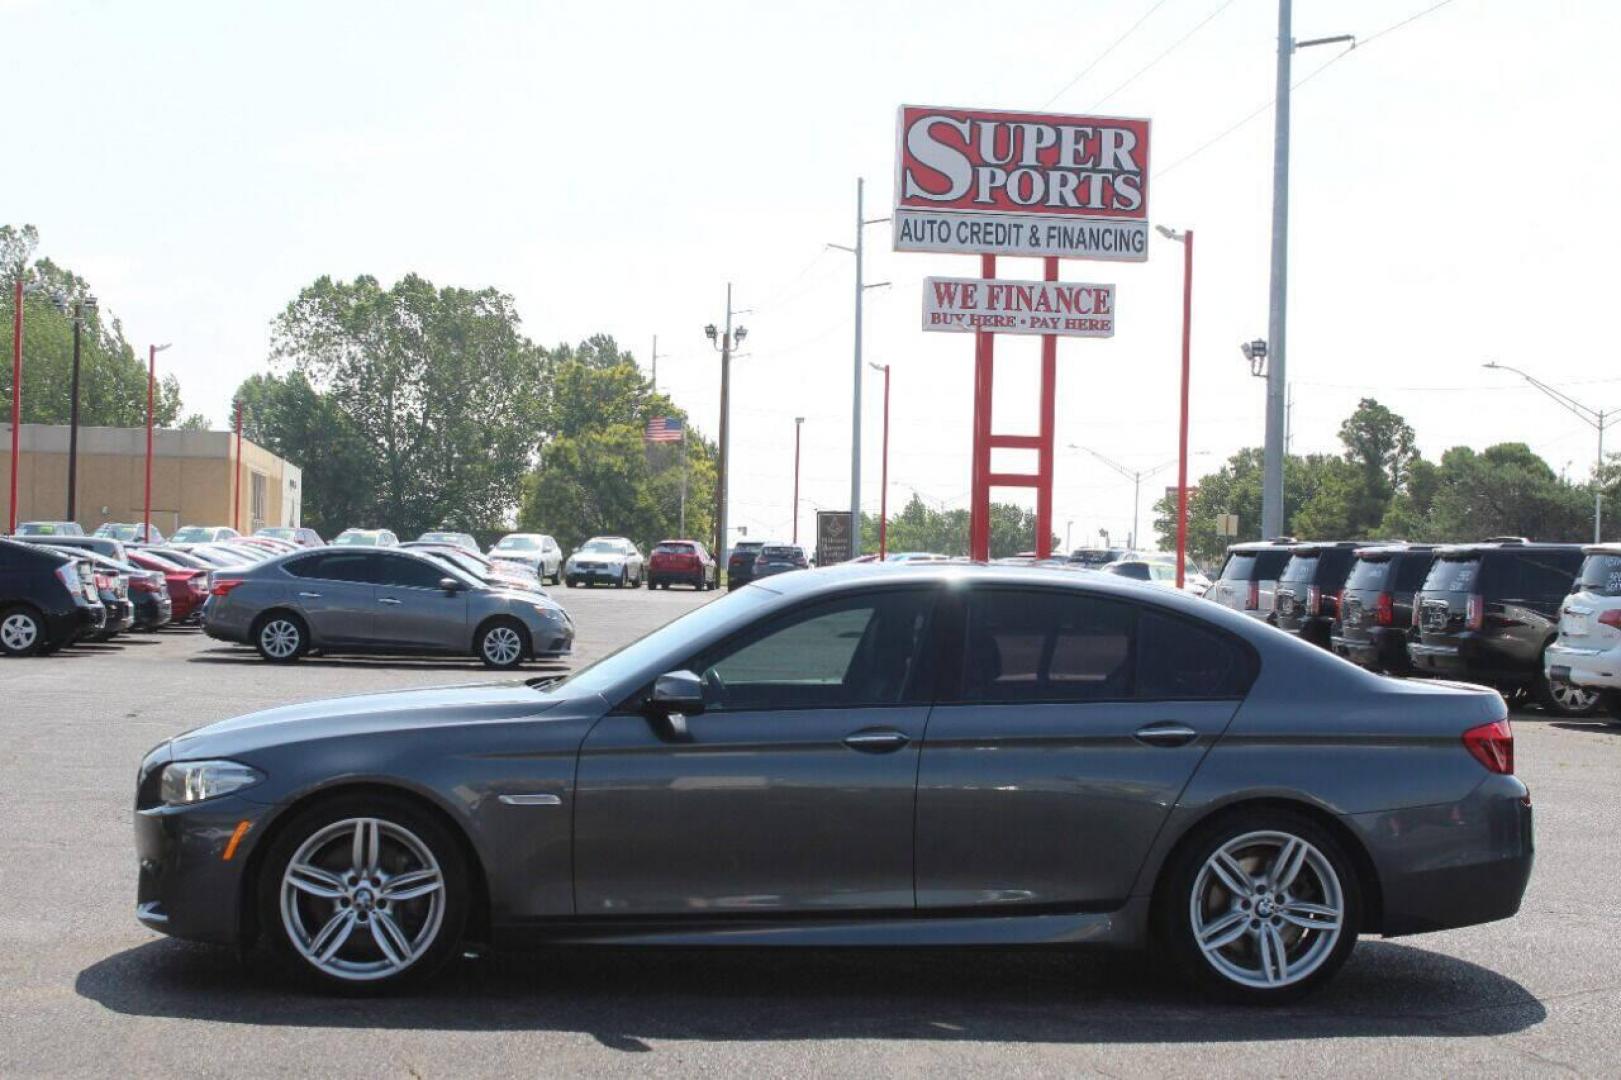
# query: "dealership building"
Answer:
x=195 y=477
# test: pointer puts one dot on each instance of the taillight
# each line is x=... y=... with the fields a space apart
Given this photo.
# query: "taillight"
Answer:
x=1493 y=746
x=1474 y=613
x=68 y=575
x=223 y=586
x=104 y=583
x=1611 y=618
x=1384 y=610
x=198 y=583
x=1252 y=602
x=1314 y=600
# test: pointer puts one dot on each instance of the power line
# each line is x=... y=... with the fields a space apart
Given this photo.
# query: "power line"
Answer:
x=1200 y=25
x=1100 y=57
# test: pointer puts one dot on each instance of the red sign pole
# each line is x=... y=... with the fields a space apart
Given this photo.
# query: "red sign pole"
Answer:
x=979 y=507
x=1182 y=445
x=1044 y=452
x=16 y=395
x=236 y=499
x=151 y=383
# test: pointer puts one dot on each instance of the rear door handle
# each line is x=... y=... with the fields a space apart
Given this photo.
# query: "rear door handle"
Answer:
x=1166 y=733
x=388 y=600
x=880 y=741
x=309 y=596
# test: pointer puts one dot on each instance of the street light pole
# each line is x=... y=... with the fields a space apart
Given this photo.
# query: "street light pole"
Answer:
x=883 y=490
x=1598 y=419
x=16 y=393
x=151 y=389
x=1136 y=476
x=1186 y=240
x=855 y=403
x=799 y=422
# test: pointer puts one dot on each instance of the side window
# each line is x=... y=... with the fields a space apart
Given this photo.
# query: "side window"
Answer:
x=1058 y=645
x=332 y=567
x=402 y=573
x=1178 y=659
x=861 y=651
x=1549 y=576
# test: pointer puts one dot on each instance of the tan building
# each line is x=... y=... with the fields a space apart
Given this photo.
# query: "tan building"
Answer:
x=193 y=478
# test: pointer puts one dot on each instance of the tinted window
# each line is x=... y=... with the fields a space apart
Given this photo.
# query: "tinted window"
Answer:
x=1602 y=574
x=1240 y=567
x=1369 y=574
x=1046 y=646
x=1177 y=658
x=859 y=651
x=1453 y=575
x=407 y=573
x=1300 y=568
x=333 y=567
x=1135 y=570
x=1411 y=570
x=1543 y=575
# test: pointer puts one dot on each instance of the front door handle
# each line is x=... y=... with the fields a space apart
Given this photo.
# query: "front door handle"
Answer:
x=1166 y=733
x=878 y=741
x=309 y=596
x=388 y=600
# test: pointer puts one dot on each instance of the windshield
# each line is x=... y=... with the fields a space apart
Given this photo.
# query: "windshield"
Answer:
x=442 y=538
x=1368 y=574
x=614 y=547
x=118 y=532
x=1601 y=574
x=1453 y=575
x=192 y=534
x=672 y=641
x=364 y=539
x=518 y=543
x=1300 y=568
x=278 y=533
x=47 y=528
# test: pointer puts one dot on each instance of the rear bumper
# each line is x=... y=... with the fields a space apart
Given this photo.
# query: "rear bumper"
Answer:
x=1470 y=658
x=1454 y=864
x=1600 y=668
x=1383 y=648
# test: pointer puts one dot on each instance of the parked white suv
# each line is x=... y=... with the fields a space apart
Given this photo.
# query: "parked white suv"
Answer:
x=537 y=551
x=1249 y=577
x=1587 y=652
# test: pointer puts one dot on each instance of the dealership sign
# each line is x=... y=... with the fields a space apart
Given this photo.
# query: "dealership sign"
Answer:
x=1012 y=183
x=1069 y=308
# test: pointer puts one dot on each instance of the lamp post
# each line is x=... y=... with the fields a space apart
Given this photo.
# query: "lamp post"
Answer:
x=1186 y=240
x=79 y=309
x=151 y=391
x=725 y=341
x=799 y=421
x=1136 y=476
x=1598 y=419
x=883 y=488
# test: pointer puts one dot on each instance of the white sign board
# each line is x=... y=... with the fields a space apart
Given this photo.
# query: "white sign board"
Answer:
x=1011 y=234
x=1065 y=308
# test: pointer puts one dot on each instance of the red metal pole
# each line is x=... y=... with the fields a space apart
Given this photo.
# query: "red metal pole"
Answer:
x=883 y=492
x=16 y=395
x=236 y=500
x=979 y=505
x=796 y=481
x=151 y=383
x=1182 y=446
x=1044 y=454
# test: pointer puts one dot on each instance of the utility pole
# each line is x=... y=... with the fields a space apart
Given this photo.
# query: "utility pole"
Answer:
x=655 y=376
x=799 y=422
x=725 y=342
x=883 y=491
x=855 y=403
x=1598 y=419
x=1278 y=294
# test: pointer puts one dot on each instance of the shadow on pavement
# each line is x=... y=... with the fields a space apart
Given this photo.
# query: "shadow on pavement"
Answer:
x=623 y=997
x=229 y=655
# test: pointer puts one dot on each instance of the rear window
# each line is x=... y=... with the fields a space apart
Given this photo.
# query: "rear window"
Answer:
x=1300 y=568
x=1602 y=574
x=1240 y=567
x=1254 y=565
x=1370 y=574
x=748 y=545
x=1453 y=575
x=780 y=552
x=673 y=549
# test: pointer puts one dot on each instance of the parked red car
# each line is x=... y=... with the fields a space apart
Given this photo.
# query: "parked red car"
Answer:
x=682 y=561
x=188 y=586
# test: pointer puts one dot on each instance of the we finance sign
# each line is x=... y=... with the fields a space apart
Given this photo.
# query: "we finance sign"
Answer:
x=993 y=182
x=1065 y=308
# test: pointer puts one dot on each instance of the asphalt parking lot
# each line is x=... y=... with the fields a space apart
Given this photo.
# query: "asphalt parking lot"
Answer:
x=85 y=990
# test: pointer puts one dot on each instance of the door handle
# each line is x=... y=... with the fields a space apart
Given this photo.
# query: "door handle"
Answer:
x=309 y=596
x=877 y=742
x=1166 y=733
x=388 y=600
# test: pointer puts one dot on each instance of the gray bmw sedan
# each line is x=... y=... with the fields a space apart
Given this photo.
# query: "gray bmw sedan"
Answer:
x=931 y=755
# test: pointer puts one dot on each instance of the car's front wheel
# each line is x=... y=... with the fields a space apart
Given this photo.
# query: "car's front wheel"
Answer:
x=281 y=638
x=501 y=644
x=364 y=893
x=1262 y=907
x=22 y=632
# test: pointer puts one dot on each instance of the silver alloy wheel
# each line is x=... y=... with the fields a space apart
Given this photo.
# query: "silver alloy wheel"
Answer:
x=279 y=638
x=1267 y=909
x=362 y=899
x=502 y=646
x=1572 y=698
x=19 y=632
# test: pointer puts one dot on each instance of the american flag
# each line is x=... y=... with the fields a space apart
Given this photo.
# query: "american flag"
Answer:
x=663 y=429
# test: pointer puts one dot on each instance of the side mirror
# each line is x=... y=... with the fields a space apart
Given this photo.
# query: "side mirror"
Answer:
x=450 y=585
x=677 y=695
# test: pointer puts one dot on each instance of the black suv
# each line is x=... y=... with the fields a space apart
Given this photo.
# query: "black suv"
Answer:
x=1306 y=600
x=740 y=564
x=1376 y=605
x=1486 y=613
x=45 y=601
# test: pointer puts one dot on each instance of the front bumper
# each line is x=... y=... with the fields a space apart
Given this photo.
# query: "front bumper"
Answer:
x=185 y=886
x=590 y=575
x=1453 y=864
x=1598 y=668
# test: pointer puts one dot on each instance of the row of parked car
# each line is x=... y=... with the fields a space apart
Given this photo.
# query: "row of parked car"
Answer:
x=1534 y=620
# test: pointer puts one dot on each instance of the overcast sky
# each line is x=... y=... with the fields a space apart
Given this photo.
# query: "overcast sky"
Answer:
x=613 y=166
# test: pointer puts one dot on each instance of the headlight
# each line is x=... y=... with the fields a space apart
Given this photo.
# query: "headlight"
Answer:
x=193 y=781
x=545 y=611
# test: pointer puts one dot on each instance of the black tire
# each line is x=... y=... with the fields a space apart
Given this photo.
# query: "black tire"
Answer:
x=501 y=644
x=624 y=576
x=652 y=584
x=570 y=583
x=1326 y=878
x=281 y=637
x=22 y=631
x=284 y=933
x=1611 y=700
x=1564 y=699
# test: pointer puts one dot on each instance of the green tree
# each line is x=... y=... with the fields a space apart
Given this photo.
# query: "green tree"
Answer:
x=286 y=416
x=1505 y=490
x=920 y=527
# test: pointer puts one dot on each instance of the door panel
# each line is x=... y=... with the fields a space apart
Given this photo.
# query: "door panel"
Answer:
x=413 y=612
x=333 y=590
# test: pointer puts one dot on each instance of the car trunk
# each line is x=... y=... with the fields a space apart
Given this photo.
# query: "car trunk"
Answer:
x=1452 y=599
x=1596 y=591
x=1367 y=600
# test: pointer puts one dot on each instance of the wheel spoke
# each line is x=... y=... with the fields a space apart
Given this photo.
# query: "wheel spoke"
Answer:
x=1232 y=875
x=1310 y=916
x=1286 y=867
x=1224 y=931
x=315 y=881
x=364 y=848
x=390 y=938
x=1274 y=955
x=412 y=885
x=331 y=937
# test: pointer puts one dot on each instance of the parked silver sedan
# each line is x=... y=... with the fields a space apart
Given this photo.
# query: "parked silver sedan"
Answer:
x=380 y=601
x=606 y=560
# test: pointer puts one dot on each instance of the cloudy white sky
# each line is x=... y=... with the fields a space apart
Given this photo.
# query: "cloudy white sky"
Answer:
x=613 y=166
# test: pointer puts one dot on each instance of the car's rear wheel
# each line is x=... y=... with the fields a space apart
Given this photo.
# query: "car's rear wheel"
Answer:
x=281 y=637
x=364 y=894
x=22 y=631
x=1565 y=698
x=501 y=644
x=1262 y=907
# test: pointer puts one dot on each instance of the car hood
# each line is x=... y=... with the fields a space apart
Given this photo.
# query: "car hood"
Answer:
x=369 y=714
